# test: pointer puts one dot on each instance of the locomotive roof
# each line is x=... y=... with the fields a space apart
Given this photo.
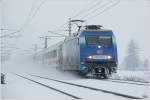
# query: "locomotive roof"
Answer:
x=98 y=30
x=94 y=28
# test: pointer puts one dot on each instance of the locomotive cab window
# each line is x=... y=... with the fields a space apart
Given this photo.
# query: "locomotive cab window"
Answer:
x=104 y=41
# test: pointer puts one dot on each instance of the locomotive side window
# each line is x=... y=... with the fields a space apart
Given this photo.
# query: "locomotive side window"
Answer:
x=105 y=41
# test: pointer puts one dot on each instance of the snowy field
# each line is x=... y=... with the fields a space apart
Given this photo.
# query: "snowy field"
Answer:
x=19 y=88
x=142 y=76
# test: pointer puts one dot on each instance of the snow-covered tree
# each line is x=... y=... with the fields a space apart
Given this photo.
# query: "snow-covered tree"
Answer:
x=146 y=65
x=132 y=60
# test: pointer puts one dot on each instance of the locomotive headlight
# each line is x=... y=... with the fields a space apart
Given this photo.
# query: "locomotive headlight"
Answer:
x=89 y=57
x=109 y=57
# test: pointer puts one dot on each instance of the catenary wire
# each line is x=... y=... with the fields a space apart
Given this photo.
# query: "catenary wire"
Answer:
x=33 y=15
x=107 y=8
x=86 y=8
x=99 y=8
x=27 y=22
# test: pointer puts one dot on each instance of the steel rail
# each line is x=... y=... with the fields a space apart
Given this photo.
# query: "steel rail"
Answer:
x=91 y=88
x=68 y=94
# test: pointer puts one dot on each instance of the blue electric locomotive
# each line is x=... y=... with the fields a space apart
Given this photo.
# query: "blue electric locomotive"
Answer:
x=92 y=51
x=98 y=51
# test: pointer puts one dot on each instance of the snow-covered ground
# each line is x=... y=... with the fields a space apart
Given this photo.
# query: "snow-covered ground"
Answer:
x=19 y=88
x=142 y=76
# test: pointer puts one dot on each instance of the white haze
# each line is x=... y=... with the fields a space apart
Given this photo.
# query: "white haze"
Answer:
x=128 y=20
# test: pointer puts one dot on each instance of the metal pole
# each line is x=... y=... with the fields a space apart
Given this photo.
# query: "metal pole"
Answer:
x=69 y=26
x=45 y=39
x=46 y=42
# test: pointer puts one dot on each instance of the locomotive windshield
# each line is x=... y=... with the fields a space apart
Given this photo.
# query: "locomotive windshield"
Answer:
x=104 y=41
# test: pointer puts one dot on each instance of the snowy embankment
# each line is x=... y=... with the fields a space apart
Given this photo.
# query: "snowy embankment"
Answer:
x=141 y=76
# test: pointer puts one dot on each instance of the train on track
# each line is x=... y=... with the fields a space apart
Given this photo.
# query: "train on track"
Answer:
x=91 y=52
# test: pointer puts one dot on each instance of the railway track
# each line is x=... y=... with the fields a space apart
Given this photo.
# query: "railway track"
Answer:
x=131 y=81
x=128 y=82
x=60 y=91
x=87 y=87
x=123 y=81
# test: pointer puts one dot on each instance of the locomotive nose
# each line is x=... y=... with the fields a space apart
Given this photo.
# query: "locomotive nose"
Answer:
x=99 y=52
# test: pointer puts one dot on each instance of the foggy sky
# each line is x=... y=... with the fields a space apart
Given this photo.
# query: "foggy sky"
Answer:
x=129 y=20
